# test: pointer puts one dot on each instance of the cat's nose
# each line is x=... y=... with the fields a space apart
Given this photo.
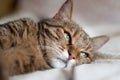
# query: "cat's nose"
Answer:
x=71 y=56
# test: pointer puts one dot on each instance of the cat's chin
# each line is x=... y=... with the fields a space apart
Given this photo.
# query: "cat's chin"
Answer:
x=58 y=63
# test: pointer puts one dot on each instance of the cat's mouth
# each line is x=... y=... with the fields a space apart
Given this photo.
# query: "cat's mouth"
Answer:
x=59 y=62
x=65 y=61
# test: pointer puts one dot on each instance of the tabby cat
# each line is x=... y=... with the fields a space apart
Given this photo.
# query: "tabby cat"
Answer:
x=27 y=45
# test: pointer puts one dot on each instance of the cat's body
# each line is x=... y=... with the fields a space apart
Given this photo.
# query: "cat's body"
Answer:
x=27 y=46
x=3 y=71
x=20 y=48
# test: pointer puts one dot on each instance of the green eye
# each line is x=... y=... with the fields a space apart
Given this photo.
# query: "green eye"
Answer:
x=83 y=54
x=66 y=35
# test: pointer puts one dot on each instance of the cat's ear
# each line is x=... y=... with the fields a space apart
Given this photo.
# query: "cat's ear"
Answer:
x=65 y=12
x=99 y=41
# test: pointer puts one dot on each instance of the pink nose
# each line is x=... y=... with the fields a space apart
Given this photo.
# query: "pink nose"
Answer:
x=72 y=57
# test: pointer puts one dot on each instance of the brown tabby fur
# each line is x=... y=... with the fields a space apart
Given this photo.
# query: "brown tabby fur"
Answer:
x=3 y=71
x=27 y=46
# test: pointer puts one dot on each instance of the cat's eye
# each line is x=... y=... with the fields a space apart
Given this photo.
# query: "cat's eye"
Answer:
x=67 y=37
x=83 y=54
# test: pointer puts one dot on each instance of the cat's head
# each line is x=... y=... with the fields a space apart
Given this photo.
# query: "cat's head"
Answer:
x=61 y=39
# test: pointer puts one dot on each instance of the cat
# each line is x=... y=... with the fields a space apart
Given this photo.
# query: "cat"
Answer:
x=3 y=72
x=28 y=46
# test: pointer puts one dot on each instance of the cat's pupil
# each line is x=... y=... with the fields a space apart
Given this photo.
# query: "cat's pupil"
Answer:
x=83 y=54
x=67 y=37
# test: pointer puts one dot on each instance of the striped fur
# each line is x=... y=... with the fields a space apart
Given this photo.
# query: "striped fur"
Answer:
x=28 y=46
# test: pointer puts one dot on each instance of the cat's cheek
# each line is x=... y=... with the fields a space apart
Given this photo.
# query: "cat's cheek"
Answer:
x=65 y=54
x=56 y=63
x=85 y=61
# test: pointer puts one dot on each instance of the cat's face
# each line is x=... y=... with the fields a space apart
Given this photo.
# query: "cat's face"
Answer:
x=62 y=39
x=65 y=41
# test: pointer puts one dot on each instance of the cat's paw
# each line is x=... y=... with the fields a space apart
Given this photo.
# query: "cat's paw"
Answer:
x=69 y=70
x=71 y=63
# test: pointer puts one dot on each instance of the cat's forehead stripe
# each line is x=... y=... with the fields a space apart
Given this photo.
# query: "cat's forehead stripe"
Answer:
x=71 y=27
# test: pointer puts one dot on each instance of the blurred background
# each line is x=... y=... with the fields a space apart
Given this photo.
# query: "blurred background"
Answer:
x=95 y=16
x=99 y=11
